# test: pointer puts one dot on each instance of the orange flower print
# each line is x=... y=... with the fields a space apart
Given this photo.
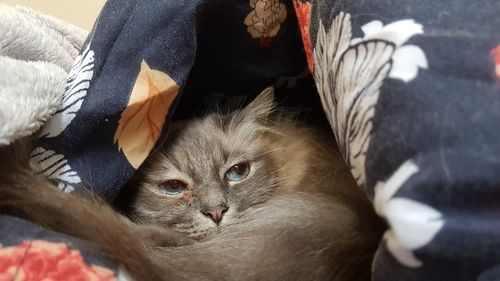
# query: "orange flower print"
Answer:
x=41 y=260
x=495 y=53
x=303 y=11
x=265 y=19
x=141 y=122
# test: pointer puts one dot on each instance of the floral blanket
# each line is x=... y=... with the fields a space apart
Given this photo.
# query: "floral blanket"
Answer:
x=411 y=90
x=34 y=253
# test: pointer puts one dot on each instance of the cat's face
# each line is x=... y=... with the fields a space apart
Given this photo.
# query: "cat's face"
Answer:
x=210 y=172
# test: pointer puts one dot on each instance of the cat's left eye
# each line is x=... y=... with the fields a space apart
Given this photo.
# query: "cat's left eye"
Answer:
x=238 y=172
x=173 y=187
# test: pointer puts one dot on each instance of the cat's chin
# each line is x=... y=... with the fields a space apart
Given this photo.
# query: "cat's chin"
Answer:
x=211 y=232
x=205 y=235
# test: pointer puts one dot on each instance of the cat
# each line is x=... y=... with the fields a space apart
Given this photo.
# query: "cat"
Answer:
x=248 y=195
x=216 y=167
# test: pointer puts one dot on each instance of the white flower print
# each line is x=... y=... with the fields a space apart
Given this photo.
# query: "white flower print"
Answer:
x=349 y=73
x=412 y=224
x=77 y=86
x=407 y=59
x=54 y=166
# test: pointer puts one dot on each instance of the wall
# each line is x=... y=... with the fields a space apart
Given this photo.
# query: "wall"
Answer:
x=79 y=12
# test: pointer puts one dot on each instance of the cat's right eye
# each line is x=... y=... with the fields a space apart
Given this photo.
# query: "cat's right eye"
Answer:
x=173 y=187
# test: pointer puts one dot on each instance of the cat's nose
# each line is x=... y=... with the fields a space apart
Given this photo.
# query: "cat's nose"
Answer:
x=216 y=213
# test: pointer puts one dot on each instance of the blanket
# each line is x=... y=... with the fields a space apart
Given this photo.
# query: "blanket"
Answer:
x=411 y=91
x=36 y=54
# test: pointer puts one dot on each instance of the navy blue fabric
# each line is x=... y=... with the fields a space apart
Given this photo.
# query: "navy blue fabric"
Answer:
x=126 y=33
x=205 y=43
x=446 y=122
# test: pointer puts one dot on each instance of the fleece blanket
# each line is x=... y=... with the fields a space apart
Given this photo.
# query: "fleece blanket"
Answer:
x=411 y=91
x=36 y=54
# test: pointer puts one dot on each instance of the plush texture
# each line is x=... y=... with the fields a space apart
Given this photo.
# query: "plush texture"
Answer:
x=36 y=54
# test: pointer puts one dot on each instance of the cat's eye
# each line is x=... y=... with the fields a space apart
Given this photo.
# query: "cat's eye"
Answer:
x=238 y=172
x=173 y=187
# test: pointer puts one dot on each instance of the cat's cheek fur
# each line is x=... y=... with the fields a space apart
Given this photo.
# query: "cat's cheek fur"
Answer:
x=257 y=188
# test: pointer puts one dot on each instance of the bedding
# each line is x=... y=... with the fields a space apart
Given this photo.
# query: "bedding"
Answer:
x=36 y=54
x=411 y=91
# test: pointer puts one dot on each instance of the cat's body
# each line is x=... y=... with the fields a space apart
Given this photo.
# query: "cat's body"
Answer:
x=266 y=199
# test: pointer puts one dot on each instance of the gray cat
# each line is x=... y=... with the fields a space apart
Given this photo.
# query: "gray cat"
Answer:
x=248 y=195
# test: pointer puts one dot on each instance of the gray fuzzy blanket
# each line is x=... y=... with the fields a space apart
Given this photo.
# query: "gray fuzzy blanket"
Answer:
x=36 y=54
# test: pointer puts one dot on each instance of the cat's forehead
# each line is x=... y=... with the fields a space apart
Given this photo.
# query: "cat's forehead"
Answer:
x=213 y=140
x=220 y=132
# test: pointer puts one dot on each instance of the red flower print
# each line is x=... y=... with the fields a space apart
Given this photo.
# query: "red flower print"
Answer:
x=495 y=53
x=265 y=42
x=41 y=260
x=303 y=11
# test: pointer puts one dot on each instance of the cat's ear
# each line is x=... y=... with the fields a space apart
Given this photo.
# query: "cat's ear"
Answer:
x=260 y=108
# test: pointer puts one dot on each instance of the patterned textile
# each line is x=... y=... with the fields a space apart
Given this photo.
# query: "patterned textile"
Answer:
x=411 y=90
x=40 y=254
x=135 y=66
